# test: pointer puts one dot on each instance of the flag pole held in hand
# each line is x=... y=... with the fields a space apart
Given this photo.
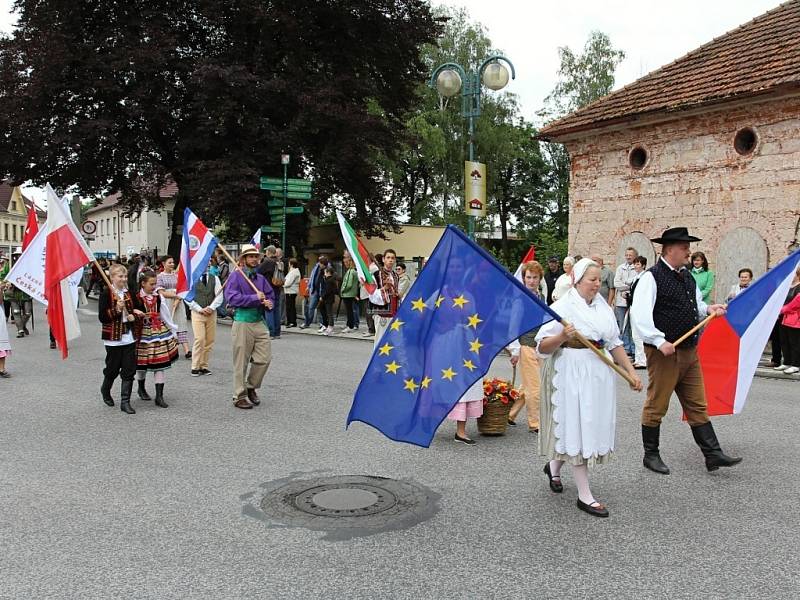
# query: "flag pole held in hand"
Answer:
x=620 y=371
x=691 y=332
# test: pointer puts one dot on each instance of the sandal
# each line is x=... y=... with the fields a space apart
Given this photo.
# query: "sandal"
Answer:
x=556 y=486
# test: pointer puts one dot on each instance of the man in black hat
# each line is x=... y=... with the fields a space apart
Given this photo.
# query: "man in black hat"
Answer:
x=666 y=305
x=553 y=272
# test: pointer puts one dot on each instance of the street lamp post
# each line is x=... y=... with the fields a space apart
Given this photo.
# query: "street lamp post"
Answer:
x=447 y=80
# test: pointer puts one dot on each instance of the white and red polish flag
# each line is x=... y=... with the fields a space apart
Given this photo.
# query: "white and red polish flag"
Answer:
x=197 y=246
x=358 y=253
x=529 y=256
x=31 y=228
x=66 y=253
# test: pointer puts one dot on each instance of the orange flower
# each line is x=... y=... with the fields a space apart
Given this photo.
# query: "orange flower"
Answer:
x=487 y=389
x=504 y=400
x=514 y=394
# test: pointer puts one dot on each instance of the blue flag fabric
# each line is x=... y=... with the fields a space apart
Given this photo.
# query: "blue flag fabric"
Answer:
x=462 y=310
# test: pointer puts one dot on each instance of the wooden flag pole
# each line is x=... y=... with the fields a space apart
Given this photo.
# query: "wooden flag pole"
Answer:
x=103 y=274
x=620 y=371
x=238 y=268
x=691 y=332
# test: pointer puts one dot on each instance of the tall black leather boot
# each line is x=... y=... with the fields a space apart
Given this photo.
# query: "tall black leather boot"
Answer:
x=160 y=396
x=707 y=440
x=143 y=395
x=652 y=459
x=125 y=397
x=105 y=391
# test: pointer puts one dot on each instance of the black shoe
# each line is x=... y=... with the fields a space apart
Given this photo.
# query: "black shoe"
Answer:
x=596 y=509
x=707 y=440
x=189 y=355
x=20 y=334
x=652 y=459
x=512 y=423
x=205 y=372
x=143 y=395
x=105 y=391
x=7 y=375
x=25 y=331
x=252 y=396
x=196 y=373
x=125 y=397
x=160 y=396
x=465 y=440
x=556 y=486
x=52 y=345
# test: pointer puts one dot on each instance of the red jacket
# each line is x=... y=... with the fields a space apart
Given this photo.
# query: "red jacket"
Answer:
x=791 y=312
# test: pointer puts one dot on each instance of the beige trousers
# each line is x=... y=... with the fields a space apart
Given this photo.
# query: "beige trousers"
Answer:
x=204 y=328
x=251 y=346
x=679 y=372
x=528 y=368
x=381 y=324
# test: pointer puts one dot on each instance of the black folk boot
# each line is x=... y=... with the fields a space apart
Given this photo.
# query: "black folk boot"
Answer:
x=125 y=397
x=143 y=395
x=105 y=391
x=160 y=396
x=652 y=459
x=707 y=440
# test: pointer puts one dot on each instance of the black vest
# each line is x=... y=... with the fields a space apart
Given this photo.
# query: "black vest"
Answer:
x=675 y=311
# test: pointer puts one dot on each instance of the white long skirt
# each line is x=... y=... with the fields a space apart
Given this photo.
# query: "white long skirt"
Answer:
x=580 y=397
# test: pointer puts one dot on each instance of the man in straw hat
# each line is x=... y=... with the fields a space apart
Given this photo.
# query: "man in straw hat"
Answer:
x=251 y=345
x=666 y=305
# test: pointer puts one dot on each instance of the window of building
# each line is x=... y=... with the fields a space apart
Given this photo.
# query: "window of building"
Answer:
x=14 y=205
x=130 y=223
x=6 y=232
x=139 y=222
x=115 y=227
x=637 y=158
x=108 y=226
x=14 y=233
x=745 y=141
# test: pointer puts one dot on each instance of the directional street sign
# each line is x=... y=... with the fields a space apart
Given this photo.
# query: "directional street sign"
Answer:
x=274 y=203
x=299 y=195
x=265 y=181
x=294 y=210
x=268 y=229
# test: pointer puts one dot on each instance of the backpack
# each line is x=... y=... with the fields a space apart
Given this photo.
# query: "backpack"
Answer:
x=631 y=291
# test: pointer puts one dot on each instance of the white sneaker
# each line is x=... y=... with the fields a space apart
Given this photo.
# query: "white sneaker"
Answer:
x=328 y=331
x=781 y=367
x=347 y=330
x=366 y=334
x=792 y=370
x=321 y=328
x=322 y=331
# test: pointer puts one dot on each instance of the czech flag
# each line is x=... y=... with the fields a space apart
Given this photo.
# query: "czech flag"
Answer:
x=196 y=249
x=731 y=346
x=256 y=239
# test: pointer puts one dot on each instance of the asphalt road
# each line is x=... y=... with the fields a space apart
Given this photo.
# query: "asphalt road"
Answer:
x=98 y=504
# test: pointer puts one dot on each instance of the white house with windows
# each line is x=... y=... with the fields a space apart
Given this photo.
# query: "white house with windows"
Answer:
x=119 y=235
x=13 y=217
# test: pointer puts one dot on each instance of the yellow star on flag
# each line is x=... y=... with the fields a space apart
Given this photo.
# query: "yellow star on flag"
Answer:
x=419 y=305
x=426 y=381
x=396 y=325
x=448 y=373
x=475 y=346
x=385 y=349
x=474 y=320
x=411 y=385
x=392 y=367
x=460 y=301
x=439 y=301
x=469 y=365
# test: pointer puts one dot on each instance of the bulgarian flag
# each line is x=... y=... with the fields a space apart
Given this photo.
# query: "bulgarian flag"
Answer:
x=529 y=256
x=358 y=252
x=66 y=253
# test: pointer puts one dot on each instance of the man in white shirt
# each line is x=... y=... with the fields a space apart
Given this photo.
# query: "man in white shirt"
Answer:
x=623 y=279
x=666 y=305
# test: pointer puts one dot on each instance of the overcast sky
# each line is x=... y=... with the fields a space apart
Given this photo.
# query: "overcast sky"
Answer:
x=650 y=33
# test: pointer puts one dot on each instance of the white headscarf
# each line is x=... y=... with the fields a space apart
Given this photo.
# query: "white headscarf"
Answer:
x=580 y=268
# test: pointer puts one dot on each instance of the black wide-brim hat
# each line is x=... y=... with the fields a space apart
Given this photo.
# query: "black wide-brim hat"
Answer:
x=675 y=234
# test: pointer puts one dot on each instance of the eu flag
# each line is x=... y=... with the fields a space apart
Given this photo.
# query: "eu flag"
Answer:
x=462 y=310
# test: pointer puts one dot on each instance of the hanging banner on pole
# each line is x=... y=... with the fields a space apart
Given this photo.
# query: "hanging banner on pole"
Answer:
x=475 y=189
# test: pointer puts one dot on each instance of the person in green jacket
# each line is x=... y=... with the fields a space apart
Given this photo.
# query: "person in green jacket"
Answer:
x=703 y=276
x=349 y=293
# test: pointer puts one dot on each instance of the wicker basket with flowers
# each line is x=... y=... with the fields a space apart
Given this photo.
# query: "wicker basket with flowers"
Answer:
x=498 y=396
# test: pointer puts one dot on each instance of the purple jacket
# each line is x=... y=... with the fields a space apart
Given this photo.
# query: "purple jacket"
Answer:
x=239 y=294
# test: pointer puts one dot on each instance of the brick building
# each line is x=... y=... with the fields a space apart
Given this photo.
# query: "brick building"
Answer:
x=710 y=141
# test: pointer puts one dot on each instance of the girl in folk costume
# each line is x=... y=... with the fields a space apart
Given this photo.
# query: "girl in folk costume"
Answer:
x=166 y=284
x=578 y=407
x=156 y=348
x=385 y=298
x=5 y=342
x=117 y=313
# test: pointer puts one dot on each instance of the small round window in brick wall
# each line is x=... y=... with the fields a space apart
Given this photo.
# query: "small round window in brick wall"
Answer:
x=745 y=141
x=637 y=158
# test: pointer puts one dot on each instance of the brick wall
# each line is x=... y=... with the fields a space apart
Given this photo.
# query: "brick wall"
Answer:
x=693 y=177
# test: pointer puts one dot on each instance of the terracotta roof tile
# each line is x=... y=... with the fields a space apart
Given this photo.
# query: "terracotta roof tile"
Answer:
x=756 y=57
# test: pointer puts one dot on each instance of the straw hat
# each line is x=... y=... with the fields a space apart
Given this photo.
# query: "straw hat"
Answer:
x=249 y=249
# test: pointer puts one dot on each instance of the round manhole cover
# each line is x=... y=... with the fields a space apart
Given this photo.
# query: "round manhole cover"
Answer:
x=346 y=506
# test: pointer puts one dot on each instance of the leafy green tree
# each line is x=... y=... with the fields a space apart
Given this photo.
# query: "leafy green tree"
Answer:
x=123 y=96
x=582 y=79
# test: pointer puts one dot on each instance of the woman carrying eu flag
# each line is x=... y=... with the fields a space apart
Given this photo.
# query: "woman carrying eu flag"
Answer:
x=578 y=403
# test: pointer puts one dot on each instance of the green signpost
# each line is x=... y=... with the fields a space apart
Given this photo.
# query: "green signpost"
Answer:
x=280 y=191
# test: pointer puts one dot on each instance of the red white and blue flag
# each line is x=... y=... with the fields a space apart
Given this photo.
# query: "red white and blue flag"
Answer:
x=196 y=248
x=529 y=256
x=731 y=346
x=256 y=239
